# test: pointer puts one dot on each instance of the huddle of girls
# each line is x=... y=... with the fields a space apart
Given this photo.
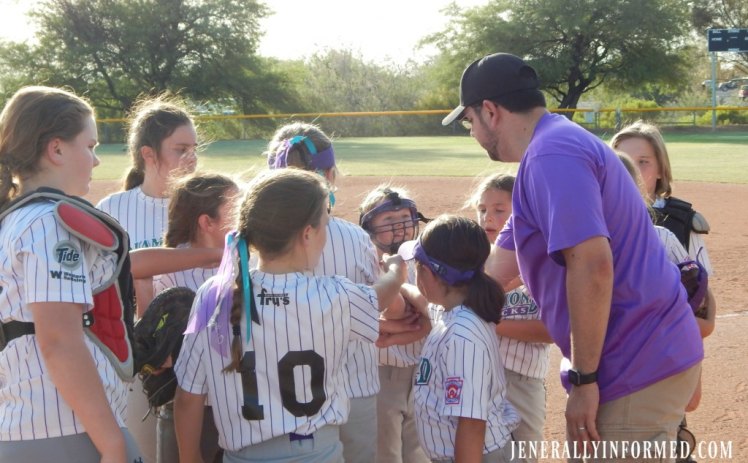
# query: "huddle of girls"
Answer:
x=281 y=350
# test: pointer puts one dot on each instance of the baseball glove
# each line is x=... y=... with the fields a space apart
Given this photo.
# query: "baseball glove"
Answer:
x=158 y=336
x=694 y=278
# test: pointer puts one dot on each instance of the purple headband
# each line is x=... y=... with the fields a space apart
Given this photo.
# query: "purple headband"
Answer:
x=322 y=160
x=413 y=250
x=394 y=204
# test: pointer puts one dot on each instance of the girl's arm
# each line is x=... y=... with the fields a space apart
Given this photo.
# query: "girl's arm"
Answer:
x=388 y=286
x=524 y=330
x=59 y=334
x=469 y=440
x=188 y=423
x=149 y=262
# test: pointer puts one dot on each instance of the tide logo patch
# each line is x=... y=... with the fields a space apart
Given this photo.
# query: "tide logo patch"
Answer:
x=453 y=390
x=67 y=254
x=424 y=372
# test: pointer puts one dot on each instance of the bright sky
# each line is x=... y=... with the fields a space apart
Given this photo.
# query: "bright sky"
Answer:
x=381 y=31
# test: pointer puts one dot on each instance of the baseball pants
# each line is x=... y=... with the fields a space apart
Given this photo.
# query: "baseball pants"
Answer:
x=359 y=434
x=77 y=448
x=528 y=397
x=396 y=434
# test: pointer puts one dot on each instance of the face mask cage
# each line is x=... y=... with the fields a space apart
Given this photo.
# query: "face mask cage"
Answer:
x=407 y=229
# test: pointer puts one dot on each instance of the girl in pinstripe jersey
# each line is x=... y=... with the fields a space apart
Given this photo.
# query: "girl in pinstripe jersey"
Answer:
x=350 y=253
x=201 y=212
x=60 y=398
x=162 y=144
x=279 y=392
x=524 y=342
x=460 y=392
x=391 y=218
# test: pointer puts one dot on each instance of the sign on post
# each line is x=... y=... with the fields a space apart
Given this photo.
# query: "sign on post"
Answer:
x=735 y=40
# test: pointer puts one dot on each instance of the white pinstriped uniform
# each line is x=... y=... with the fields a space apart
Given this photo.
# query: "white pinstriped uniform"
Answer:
x=191 y=278
x=526 y=358
x=349 y=252
x=321 y=317
x=676 y=253
x=460 y=375
x=31 y=241
x=145 y=218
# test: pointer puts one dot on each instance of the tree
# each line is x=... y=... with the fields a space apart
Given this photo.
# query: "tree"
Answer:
x=341 y=81
x=114 y=50
x=721 y=14
x=575 y=45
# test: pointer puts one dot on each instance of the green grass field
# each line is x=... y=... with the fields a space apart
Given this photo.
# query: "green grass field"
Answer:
x=720 y=157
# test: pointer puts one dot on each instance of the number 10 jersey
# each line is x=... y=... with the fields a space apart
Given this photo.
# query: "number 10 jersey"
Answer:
x=291 y=374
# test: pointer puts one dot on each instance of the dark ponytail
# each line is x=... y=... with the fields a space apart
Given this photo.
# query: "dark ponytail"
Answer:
x=462 y=244
x=485 y=297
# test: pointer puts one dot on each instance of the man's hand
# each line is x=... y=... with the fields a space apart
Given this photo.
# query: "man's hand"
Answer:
x=581 y=413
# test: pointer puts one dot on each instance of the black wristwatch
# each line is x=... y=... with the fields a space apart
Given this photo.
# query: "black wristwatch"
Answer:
x=577 y=378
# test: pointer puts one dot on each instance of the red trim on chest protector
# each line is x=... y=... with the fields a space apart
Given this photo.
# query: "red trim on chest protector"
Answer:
x=86 y=224
x=108 y=326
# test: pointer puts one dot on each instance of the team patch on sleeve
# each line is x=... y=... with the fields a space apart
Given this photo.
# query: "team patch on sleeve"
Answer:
x=452 y=390
x=67 y=254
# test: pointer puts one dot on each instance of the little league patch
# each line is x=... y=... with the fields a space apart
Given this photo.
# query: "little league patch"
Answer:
x=452 y=390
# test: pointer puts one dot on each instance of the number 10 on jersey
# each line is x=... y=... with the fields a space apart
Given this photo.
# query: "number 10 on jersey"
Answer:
x=254 y=410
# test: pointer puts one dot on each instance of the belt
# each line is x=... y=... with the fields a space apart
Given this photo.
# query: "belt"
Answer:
x=12 y=330
x=297 y=437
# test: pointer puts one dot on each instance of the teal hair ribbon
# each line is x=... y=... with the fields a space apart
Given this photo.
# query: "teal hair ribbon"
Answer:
x=249 y=296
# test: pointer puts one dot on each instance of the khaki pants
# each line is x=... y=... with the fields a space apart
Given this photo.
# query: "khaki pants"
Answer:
x=359 y=433
x=528 y=397
x=647 y=417
x=397 y=435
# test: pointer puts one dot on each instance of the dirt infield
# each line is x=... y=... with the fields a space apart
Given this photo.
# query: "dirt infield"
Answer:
x=723 y=414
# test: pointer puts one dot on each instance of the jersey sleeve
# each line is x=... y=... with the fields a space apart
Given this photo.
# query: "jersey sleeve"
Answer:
x=697 y=250
x=189 y=368
x=467 y=380
x=676 y=253
x=369 y=265
x=55 y=264
x=363 y=303
x=567 y=208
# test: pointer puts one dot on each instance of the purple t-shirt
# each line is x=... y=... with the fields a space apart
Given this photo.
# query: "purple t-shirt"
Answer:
x=571 y=187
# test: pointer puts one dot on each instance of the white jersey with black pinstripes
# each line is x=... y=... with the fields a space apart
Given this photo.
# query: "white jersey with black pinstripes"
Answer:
x=145 y=218
x=526 y=358
x=460 y=375
x=306 y=325
x=42 y=262
x=191 y=278
x=409 y=354
x=350 y=253
x=676 y=253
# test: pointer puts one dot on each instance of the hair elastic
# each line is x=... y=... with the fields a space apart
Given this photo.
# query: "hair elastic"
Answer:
x=247 y=290
x=321 y=160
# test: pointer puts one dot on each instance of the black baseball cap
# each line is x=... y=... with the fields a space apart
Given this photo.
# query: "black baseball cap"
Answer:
x=491 y=77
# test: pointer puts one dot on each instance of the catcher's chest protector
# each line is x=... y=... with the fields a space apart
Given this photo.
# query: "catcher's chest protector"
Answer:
x=677 y=216
x=110 y=323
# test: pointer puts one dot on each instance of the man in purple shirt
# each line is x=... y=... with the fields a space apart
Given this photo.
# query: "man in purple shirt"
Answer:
x=582 y=240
